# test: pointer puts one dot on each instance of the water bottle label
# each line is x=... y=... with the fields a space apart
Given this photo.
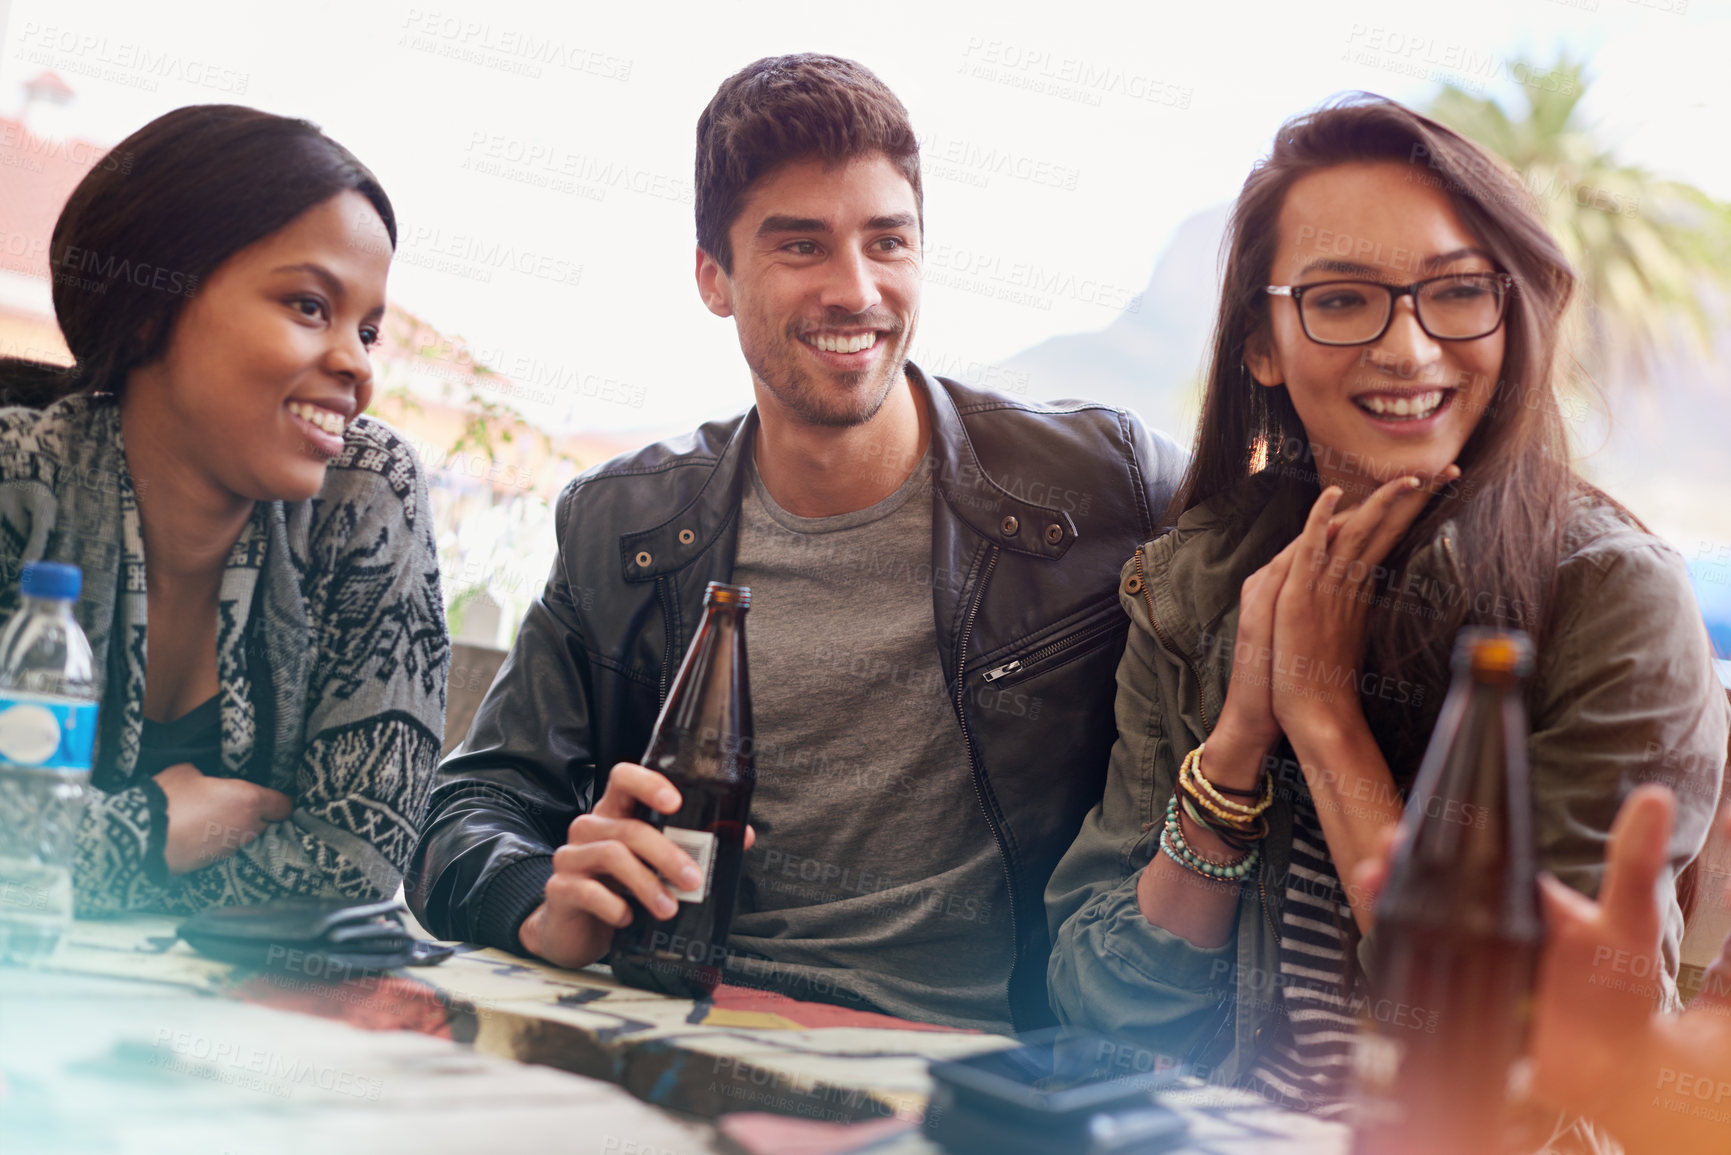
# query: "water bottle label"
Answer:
x=700 y=844
x=50 y=733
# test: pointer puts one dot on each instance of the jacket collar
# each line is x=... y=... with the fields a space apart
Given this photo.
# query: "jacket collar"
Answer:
x=986 y=507
x=677 y=542
x=991 y=511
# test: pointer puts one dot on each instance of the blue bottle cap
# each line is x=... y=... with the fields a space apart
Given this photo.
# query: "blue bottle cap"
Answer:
x=52 y=579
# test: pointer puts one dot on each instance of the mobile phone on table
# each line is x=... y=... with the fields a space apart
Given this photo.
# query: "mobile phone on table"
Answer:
x=1060 y=1091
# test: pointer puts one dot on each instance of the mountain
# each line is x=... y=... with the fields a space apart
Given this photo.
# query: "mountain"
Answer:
x=1149 y=360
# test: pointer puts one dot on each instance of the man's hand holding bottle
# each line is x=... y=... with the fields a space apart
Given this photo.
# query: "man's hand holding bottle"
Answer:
x=610 y=853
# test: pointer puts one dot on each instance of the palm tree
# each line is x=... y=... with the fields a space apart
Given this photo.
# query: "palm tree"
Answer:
x=1654 y=256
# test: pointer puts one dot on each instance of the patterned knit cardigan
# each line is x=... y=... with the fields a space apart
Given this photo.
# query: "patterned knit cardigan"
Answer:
x=331 y=656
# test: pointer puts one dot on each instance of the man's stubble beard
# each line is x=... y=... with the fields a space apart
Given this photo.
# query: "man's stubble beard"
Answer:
x=796 y=391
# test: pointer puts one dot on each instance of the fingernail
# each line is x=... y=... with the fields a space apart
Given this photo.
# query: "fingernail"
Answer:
x=689 y=877
x=1413 y=483
x=668 y=799
x=667 y=907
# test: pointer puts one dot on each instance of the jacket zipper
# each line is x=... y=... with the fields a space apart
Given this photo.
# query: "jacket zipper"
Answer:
x=1017 y=665
x=1262 y=901
x=973 y=763
x=1202 y=698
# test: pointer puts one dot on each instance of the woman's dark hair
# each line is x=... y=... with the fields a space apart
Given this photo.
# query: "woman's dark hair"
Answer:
x=1516 y=479
x=146 y=227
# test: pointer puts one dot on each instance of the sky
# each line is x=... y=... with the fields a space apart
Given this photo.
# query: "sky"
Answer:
x=539 y=155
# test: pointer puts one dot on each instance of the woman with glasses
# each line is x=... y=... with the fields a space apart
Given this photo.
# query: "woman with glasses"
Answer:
x=261 y=587
x=1380 y=460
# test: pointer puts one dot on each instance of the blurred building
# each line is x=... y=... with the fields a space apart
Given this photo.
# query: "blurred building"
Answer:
x=38 y=171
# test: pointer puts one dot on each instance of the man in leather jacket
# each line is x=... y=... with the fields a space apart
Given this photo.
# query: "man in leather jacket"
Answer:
x=935 y=625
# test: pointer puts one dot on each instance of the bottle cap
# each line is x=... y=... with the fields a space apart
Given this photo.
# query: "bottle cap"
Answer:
x=51 y=579
x=1493 y=655
x=722 y=594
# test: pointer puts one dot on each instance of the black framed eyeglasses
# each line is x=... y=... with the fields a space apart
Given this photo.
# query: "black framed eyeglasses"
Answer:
x=1456 y=307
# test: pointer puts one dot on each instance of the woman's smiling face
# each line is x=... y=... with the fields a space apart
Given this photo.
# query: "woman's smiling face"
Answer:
x=268 y=363
x=1407 y=402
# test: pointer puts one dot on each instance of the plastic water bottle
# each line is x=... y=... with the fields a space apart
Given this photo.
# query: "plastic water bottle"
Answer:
x=47 y=737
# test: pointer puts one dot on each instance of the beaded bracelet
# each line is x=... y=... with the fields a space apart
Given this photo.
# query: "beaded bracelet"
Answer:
x=1204 y=792
x=1172 y=843
x=1236 y=837
x=1213 y=820
x=1239 y=827
x=1191 y=781
x=1179 y=851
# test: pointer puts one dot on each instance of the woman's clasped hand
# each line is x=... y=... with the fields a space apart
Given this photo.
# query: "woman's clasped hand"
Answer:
x=1302 y=616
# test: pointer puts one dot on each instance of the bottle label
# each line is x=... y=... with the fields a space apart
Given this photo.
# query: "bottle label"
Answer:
x=700 y=844
x=44 y=732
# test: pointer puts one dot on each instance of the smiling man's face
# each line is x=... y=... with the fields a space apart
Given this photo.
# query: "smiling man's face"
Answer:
x=825 y=287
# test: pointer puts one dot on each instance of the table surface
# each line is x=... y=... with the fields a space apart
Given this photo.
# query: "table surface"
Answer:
x=130 y=1042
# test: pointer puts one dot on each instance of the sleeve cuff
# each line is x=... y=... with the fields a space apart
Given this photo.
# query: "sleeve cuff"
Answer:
x=510 y=898
x=1159 y=955
x=156 y=840
x=1113 y=932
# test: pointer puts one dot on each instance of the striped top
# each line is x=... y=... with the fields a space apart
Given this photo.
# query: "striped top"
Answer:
x=1307 y=1065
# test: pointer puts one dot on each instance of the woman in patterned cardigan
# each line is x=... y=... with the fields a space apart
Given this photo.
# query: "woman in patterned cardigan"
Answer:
x=219 y=277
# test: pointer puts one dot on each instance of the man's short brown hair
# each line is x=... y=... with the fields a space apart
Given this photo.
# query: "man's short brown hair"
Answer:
x=785 y=108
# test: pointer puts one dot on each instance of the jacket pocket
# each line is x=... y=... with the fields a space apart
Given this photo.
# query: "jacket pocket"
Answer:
x=1047 y=655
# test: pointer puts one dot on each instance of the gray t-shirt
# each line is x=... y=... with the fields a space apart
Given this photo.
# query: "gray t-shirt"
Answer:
x=875 y=876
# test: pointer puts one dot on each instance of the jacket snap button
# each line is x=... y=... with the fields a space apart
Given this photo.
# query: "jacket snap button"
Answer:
x=1134 y=585
x=643 y=559
x=1054 y=533
x=1010 y=526
x=686 y=537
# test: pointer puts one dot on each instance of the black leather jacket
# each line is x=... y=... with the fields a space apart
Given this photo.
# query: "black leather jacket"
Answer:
x=1034 y=510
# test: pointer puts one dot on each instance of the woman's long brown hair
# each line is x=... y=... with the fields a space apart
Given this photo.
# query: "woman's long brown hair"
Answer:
x=1509 y=505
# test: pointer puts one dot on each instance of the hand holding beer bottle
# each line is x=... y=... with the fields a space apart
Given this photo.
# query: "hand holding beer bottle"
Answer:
x=703 y=741
x=1599 y=1046
x=609 y=853
x=617 y=860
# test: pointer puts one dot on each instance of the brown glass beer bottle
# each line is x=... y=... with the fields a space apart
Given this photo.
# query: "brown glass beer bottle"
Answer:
x=702 y=742
x=1457 y=926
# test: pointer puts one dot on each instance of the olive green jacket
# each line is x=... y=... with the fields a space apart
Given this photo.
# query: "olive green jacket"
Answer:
x=1624 y=692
